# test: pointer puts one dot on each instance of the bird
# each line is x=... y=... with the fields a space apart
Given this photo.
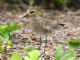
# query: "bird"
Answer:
x=40 y=24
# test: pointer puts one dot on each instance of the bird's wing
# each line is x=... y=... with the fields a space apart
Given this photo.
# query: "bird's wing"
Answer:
x=51 y=24
x=48 y=24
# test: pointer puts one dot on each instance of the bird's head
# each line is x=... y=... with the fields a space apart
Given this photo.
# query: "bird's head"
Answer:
x=32 y=13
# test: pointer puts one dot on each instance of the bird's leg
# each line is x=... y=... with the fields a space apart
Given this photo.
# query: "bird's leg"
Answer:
x=40 y=41
x=45 y=43
x=43 y=53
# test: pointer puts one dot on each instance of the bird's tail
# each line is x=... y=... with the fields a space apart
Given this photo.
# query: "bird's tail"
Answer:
x=61 y=24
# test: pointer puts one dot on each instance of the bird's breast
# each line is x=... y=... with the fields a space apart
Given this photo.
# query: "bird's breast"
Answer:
x=40 y=28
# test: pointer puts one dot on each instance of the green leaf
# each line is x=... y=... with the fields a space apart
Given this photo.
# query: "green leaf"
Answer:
x=34 y=55
x=69 y=55
x=2 y=50
x=65 y=55
x=4 y=37
x=26 y=58
x=74 y=43
x=2 y=29
x=59 y=53
x=12 y=26
x=1 y=39
x=15 y=57
x=10 y=44
x=29 y=48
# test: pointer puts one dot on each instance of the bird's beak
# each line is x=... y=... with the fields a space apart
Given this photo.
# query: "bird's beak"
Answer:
x=24 y=15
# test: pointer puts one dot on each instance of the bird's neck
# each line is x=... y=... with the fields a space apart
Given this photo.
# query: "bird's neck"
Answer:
x=35 y=19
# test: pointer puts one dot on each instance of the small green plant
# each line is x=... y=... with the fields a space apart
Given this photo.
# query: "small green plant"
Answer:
x=31 y=54
x=65 y=55
x=74 y=43
x=6 y=36
x=15 y=56
x=34 y=54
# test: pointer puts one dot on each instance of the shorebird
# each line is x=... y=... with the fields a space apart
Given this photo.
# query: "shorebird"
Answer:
x=40 y=24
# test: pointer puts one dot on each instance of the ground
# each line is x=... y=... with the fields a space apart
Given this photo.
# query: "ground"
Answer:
x=71 y=30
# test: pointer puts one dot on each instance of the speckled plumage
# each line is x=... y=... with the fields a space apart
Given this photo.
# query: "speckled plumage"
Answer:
x=44 y=26
x=41 y=24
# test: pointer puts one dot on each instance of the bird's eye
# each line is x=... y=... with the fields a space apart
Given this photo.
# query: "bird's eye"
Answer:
x=32 y=12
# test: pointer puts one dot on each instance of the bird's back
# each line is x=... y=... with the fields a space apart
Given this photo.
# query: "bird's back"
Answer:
x=44 y=26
